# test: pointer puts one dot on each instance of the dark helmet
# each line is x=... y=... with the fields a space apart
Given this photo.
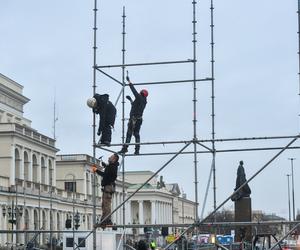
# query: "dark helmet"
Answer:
x=144 y=92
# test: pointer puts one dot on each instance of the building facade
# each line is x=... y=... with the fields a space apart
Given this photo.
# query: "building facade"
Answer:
x=29 y=196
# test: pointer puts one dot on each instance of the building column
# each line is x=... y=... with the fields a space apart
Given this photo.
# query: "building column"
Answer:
x=141 y=215
x=12 y=166
x=161 y=212
x=54 y=173
x=153 y=215
x=47 y=170
x=121 y=209
x=128 y=219
x=158 y=212
x=22 y=163
x=91 y=185
x=113 y=206
x=39 y=168
x=164 y=212
x=30 y=167
x=2 y=219
x=84 y=183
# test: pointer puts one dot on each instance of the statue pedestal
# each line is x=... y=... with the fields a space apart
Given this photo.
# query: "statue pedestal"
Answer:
x=243 y=213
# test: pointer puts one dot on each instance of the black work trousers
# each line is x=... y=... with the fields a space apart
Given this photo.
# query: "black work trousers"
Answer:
x=133 y=128
x=105 y=134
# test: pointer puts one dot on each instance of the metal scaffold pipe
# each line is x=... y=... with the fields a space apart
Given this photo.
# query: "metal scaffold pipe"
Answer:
x=202 y=140
x=213 y=133
x=123 y=111
x=194 y=41
x=144 y=64
x=94 y=119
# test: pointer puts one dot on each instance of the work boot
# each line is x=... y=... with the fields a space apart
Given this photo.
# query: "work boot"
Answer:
x=123 y=150
x=106 y=143
x=137 y=151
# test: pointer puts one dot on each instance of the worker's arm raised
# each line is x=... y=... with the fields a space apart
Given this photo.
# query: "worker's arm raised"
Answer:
x=136 y=94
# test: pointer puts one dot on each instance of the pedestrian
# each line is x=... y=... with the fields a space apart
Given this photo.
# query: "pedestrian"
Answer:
x=142 y=245
x=109 y=176
x=135 y=117
x=152 y=245
x=107 y=113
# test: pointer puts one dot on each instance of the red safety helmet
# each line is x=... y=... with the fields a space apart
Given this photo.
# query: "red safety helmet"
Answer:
x=144 y=92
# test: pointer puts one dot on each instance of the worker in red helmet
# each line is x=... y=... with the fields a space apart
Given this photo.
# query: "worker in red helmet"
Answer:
x=135 y=117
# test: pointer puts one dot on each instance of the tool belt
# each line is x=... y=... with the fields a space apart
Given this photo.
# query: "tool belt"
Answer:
x=111 y=188
x=134 y=119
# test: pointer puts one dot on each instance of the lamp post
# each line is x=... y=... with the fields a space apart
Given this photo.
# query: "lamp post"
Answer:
x=77 y=220
x=289 y=200
x=293 y=191
x=12 y=212
x=73 y=201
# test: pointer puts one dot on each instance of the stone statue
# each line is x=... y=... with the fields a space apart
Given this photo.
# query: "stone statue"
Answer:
x=240 y=180
x=160 y=183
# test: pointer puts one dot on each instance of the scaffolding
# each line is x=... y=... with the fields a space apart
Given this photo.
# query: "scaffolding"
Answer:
x=208 y=146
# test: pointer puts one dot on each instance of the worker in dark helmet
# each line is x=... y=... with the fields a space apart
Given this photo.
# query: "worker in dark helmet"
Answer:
x=107 y=112
x=135 y=117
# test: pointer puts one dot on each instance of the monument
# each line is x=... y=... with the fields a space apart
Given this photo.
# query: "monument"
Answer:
x=242 y=205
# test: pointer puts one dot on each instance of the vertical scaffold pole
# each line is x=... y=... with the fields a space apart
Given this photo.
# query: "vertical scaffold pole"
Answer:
x=94 y=118
x=298 y=12
x=123 y=112
x=212 y=43
x=195 y=108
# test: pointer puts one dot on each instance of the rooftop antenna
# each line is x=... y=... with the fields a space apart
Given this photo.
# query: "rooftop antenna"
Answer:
x=55 y=118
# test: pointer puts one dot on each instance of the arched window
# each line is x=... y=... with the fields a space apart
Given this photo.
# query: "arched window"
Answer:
x=26 y=225
x=26 y=166
x=58 y=227
x=43 y=168
x=35 y=220
x=50 y=172
x=44 y=221
x=87 y=181
x=34 y=169
x=17 y=164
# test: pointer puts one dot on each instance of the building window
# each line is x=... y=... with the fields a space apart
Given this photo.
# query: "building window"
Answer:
x=69 y=242
x=70 y=186
x=81 y=242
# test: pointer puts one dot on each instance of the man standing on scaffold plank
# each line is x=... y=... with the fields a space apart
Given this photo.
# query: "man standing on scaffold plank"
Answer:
x=135 y=117
x=109 y=176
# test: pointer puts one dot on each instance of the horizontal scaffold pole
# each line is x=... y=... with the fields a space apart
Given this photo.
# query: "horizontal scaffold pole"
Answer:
x=143 y=64
x=209 y=152
x=204 y=140
x=213 y=225
x=171 y=82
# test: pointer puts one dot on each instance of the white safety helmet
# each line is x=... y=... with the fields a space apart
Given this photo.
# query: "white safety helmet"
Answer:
x=91 y=102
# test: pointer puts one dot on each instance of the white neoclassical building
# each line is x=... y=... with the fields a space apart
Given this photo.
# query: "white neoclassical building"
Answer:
x=157 y=202
x=29 y=195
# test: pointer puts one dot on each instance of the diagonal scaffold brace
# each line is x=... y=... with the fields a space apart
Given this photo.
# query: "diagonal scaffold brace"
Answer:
x=197 y=223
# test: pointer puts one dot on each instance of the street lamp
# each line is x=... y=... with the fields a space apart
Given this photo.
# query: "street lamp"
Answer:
x=77 y=220
x=13 y=212
x=289 y=200
x=293 y=192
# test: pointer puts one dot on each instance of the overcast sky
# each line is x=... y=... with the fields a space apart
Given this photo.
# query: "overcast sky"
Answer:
x=47 y=47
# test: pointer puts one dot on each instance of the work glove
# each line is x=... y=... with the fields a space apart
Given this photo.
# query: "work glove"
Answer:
x=128 y=98
x=94 y=169
x=127 y=78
